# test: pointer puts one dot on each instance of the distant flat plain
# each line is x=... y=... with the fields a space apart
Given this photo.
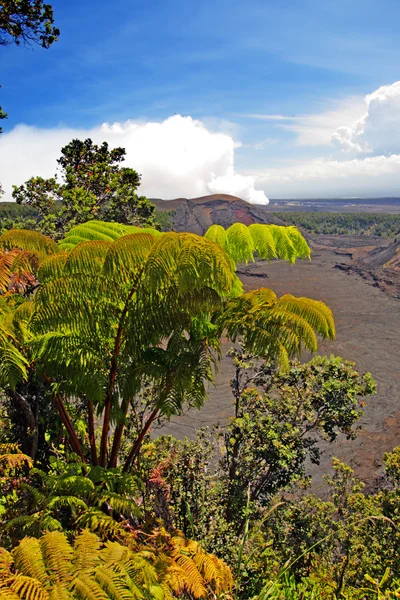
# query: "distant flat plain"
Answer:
x=349 y=205
x=368 y=332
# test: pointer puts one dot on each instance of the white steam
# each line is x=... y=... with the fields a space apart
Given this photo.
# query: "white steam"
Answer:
x=178 y=157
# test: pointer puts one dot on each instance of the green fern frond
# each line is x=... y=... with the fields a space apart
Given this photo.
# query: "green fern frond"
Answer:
x=217 y=234
x=71 y=502
x=116 y=588
x=279 y=328
x=114 y=553
x=53 y=267
x=13 y=365
x=128 y=254
x=97 y=521
x=49 y=523
x=120 y=503
x=24 y=522
x=87 y=257
x=263 y=241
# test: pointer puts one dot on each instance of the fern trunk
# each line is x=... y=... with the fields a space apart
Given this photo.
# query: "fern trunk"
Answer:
x=112 y=463
x=139 y=440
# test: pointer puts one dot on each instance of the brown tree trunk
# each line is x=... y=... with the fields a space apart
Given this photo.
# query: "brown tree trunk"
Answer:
x=66 y=421
x=139 y=439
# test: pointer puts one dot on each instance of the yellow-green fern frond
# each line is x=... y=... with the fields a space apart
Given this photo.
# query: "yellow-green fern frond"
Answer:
x=60 y=592
x=11 y=458
x=27 y=588
x=84 y=586
x=101 y=231
x=279 y=328
x=239 y=243
x=7 y=594
x=189 y=261
x=128 y=254
x=86 y=550
x=28 y=240
x=216 y=233
x=267 y=241
x=28 y=559
x=89 y=570
x=92 y=230
x=57 y=554
x=95 y=520
x=87 y=257
x=53 y=267
x=6 y=560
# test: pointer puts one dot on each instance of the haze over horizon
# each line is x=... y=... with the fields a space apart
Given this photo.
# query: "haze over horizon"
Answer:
x=253 y=99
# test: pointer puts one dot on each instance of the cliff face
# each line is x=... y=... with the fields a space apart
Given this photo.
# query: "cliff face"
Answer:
x=198 y=214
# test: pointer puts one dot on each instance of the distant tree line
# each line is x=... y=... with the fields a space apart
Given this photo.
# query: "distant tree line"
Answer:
x=372 y=224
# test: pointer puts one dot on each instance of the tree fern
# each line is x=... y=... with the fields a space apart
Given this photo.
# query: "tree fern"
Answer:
x=115 y=309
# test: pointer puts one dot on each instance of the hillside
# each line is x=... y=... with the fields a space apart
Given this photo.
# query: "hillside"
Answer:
x=197 y=214
x=387 y=257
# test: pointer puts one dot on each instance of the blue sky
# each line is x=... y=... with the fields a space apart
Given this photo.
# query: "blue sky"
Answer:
x=229 y=64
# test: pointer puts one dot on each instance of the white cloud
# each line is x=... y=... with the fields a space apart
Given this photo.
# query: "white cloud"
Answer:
x=374 y=176
x=316 y=129
x=178 y=157
x=377 y=130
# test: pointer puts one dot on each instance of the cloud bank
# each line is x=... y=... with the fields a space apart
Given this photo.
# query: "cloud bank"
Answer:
x=358 y=145
x=374 y=176
x=378 y=129
x=178 y=157
x=367 y=129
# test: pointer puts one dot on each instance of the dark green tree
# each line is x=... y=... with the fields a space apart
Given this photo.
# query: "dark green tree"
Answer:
x=92 y=185
x=280 y=419
x=27 y=22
